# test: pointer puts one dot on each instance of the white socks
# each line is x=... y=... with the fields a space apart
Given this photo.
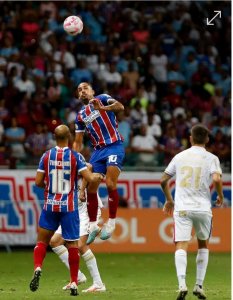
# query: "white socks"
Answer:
x=181 y=265
x=112 y=222
x=91 y=263
x=201 y=262
x=62 y=253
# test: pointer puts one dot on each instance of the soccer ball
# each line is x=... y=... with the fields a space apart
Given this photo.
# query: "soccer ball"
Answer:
x=73 y=25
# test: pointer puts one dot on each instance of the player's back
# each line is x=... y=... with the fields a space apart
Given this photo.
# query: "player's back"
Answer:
x=194 y=168
x=61 y=167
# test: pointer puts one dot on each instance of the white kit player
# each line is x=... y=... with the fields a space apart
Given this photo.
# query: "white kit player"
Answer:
x=57 y=244
x=195 y=169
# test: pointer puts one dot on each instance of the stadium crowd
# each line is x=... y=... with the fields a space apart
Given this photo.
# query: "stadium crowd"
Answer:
x=168 y=68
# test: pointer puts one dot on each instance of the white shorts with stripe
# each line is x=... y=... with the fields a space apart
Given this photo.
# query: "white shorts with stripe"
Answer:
x=184 y=221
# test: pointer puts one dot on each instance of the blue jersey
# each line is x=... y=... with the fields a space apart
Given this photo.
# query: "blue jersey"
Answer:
x=101 y=125
x=61 y=167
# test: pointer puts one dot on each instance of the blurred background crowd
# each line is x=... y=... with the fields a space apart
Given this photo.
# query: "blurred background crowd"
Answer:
x=160 y=59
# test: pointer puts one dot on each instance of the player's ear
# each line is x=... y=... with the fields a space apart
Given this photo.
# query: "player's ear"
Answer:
x=76 y=94
x=191 y=139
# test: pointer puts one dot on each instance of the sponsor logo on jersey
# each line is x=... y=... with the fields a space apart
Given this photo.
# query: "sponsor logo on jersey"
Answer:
x=94 y=115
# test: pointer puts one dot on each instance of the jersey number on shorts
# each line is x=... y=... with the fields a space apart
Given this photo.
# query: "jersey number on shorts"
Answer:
x=60 y=185
x=190 y=174
x=112 y=158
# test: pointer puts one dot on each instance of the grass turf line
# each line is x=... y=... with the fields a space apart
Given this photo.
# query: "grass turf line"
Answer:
x=127 y=277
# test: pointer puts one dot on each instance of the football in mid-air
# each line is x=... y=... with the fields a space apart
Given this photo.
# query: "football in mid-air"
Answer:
x=73 y=25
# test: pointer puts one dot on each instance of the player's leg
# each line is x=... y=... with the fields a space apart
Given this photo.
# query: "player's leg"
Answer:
x=113 y=200
x=73 y=258
x=48 y=223
x=203 y=227
x=182 y=234
x=98 y=166
x=58 y=247
x=92 y=208
x=70 y=233
x=91 y=263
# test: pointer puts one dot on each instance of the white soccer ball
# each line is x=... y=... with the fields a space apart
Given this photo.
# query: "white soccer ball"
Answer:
x=73 y=25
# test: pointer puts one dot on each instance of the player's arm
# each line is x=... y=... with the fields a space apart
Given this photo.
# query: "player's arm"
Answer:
x=217 y=181
x=91 y=177
x=113 y=105
x=82 y=195
x=78 y=141
x=169 y=203
x=39 y=181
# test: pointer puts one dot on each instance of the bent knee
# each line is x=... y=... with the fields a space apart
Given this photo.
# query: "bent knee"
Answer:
x=111 y=185
x=56 y=241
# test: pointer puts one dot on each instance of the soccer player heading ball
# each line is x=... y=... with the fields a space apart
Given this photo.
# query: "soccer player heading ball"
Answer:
x=97 y=116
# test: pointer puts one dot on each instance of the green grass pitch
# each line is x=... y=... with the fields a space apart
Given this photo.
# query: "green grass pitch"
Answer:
x=127 y=277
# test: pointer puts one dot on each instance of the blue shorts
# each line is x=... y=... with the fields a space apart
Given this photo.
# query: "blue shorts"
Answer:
x=111 y=155
x=69 y=222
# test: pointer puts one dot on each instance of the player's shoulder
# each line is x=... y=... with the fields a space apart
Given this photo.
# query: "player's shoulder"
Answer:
x=211 y=156
x=103 y=97
x=78 y=156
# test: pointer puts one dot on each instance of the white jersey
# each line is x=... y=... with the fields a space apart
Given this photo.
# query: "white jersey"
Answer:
x=82 y=206
x=193 y=169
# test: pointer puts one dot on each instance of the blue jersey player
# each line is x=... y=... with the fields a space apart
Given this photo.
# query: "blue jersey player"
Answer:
x=57 y=174
x=97 y=117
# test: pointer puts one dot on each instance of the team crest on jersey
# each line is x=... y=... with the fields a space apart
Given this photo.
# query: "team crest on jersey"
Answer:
x=94 y=115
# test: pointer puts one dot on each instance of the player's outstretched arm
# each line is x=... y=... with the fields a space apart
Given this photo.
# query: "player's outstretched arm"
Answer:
x=169 y=203
x=91 y=177
x=217 y=181
x=114 y=105
x=82 y=194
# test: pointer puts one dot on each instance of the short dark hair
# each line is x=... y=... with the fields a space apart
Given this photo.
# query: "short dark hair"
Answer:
x=200 y=134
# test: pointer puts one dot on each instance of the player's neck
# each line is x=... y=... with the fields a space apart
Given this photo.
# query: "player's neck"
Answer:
x=199 y=145
x=62 y=145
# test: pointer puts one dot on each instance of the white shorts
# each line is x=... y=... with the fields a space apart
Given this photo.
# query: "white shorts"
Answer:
x=84 y=222
x=184 y=221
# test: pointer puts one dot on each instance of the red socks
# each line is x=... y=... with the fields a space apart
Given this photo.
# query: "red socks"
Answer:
x=92 y=206
x=74 y=264
x=113 y=199
x=39 y=254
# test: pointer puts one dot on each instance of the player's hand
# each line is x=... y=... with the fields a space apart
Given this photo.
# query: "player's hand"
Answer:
x=168 y=207
x=82 y=196
x=219 y=201
x=96 y=104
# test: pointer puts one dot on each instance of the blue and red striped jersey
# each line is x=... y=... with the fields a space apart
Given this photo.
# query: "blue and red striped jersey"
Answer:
x=61 y=167
x=101 y=126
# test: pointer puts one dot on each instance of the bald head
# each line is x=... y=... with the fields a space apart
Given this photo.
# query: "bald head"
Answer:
x=62 y=133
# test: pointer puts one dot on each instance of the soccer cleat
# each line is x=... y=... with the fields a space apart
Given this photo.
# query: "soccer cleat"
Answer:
x=73 y=289
x=182 y=293
x=34 y=284
x=95 y=288
x=94 y=230
x=199 y=292
x=81 y=279
x=106 y=232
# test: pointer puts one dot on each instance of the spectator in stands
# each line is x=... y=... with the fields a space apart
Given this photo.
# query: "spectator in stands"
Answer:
x=15 y=137
x=36 y=144
x=145 y=146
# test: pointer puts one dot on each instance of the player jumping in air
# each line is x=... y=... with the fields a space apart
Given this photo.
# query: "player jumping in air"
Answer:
x=97 y=117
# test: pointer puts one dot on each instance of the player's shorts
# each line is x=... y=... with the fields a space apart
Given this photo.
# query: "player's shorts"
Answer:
x=111 y=155
x=84 y=220
x=184 y=221
x=69 y=222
